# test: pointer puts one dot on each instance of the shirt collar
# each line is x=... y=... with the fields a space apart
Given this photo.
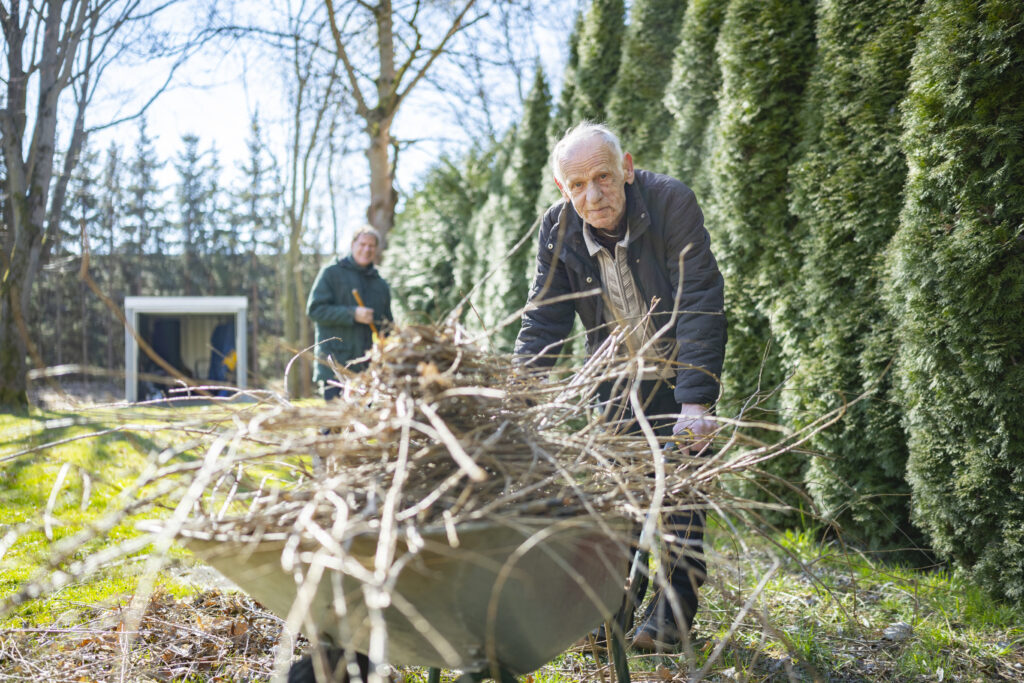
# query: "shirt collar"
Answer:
x=593 y=246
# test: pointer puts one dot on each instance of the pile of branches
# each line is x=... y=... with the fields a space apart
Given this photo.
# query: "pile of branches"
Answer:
x=442 y=432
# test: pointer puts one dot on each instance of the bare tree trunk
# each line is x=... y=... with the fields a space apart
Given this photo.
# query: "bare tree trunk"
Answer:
x=393 y=78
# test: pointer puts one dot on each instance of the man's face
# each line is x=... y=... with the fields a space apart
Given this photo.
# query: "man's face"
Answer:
x=364 y=250
x=595 y=182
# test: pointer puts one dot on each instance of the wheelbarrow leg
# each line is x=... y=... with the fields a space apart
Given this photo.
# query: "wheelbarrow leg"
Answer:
x=616 y=629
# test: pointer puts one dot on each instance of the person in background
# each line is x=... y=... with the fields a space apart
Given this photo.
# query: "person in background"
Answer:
x=622 y=240
x=348 y=304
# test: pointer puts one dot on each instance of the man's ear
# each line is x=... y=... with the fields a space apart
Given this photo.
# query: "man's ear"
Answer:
x=562 y=190
x=627 y=168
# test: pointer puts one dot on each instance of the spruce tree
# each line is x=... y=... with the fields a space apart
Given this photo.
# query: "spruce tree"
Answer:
x=256 y=213
x=765 y=51
x=848 y=194
x=82 y=333
x=691 y=97
x=636 y=108
x=143 y=220
x=600 y=52
x=193 y=224
x=956 y=268
x=105 y=240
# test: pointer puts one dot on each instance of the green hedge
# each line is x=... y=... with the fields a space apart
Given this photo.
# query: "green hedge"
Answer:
x=957 y=287
x=691 y=96
x=848 y=192
x=636 y=109
x=600 y=51
x=765 y=52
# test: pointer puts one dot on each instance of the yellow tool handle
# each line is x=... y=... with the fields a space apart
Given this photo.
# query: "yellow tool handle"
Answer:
x=359 y=300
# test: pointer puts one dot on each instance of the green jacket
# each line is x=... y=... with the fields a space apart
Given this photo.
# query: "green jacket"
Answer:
x=332 y=307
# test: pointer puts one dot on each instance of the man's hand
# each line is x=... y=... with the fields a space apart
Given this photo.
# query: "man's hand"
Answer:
x=696 y=427
x=364 y=315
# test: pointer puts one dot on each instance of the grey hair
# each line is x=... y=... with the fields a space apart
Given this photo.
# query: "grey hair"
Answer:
x=368 y=229
x=581 y=131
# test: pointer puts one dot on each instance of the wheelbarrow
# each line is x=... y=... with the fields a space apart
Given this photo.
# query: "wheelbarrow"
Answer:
x=496 y=599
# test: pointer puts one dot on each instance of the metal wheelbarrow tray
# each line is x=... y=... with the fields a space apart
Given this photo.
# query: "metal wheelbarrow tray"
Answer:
x=512 y=593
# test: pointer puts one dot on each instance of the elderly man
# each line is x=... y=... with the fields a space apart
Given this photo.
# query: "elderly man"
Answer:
x=348 y=300
x=634 y=235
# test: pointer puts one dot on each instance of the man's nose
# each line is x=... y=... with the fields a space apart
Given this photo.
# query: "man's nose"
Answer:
x=593 y=192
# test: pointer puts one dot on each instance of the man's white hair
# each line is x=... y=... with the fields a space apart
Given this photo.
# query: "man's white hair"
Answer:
x=582 y=131
x=367 y=229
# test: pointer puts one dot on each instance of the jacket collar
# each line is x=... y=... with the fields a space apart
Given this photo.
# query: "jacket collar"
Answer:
x=349 y=263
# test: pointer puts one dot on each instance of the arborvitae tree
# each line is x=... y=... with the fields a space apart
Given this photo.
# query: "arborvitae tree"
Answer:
x=192 y=196
x=479 y=273
x=848 y=193
x=562 y=117
x=636 y=109
x=522 y=183
x=600 y=52
x=765 y=50
x=692 y=97
x=428 y=256
x=957 y=287
x=142 y=224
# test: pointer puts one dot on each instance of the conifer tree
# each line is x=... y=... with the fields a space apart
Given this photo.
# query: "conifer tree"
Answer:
x=104 y=240
x=636 y=108
x=956 y=269
x=432 y=250
x=81 y=213
x=193 y=224
x=765 y=51
x=143 y=221
x=522 y=184
x=562 y=116
x=848 y=194
x=258 y=221
x=600 y=52
x=691 y=97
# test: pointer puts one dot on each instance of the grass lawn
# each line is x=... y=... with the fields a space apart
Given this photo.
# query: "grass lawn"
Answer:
x=778 y=606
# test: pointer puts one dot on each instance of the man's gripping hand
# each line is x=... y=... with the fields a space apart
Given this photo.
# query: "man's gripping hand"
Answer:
x=696 y=426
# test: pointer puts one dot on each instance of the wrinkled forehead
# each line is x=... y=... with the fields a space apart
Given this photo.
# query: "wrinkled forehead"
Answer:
x=365 y=240
x=587 y=156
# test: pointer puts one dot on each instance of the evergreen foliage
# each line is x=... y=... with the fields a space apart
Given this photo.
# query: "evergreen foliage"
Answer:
x=848 y=193
x=432 y=258
x=562 y=118
x=765 y=51
x=636 y=108
x=142 y=220
x=600 y=52
x=509 y=284
x=691 y=97
x=957 y=287
x=193 y=226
